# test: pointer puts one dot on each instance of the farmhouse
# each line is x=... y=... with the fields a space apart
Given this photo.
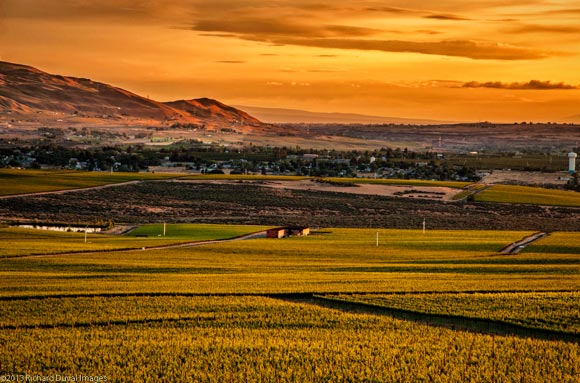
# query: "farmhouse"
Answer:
x=287 y=231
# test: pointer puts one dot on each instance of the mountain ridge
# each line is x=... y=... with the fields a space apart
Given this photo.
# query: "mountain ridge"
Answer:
x=27 y=91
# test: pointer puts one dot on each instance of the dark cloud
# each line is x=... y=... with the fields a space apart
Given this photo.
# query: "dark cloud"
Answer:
x=530 y=85
x=445 y=17
x=394 y=10
x=302 y=33
x=257 y=26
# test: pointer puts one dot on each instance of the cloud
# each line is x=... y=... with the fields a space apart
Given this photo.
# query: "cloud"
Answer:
x=395 y=10
x=534 y=28
x=445 y=17
x=231 y=62
x=228 y=35
x=455 y=48
x=312 y=31
x=257 y=26
x=530 y=85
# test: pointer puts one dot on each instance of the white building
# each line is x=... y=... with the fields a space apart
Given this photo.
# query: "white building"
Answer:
x=572 y=162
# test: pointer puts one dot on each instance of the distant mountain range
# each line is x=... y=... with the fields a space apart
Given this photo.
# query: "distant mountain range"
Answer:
x=278 y=115
x=27 y=91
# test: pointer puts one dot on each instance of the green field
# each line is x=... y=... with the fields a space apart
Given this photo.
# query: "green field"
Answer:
x=214 y=313
x=35 y=181
x=529 y=195
x=16 y=242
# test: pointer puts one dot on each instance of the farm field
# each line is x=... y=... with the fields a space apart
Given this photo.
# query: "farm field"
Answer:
x=232 y=311
x=545 y=310
x=16 y=242
x=35 y=181
x=557 y=243
x=331 y=260
x=257 y=339
x=528 y=195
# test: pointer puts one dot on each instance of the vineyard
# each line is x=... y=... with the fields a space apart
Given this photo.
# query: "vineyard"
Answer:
x=16 y=242
x=257 y=339
x=545 y=310
x=529 y=195
x=35 y=181
x=243 y=311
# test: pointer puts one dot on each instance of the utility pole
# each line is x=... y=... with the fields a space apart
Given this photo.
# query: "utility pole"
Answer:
x=164 y=228
x=377 y=238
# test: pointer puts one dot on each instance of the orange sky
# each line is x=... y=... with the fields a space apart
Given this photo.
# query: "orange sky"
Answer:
x=508 y=60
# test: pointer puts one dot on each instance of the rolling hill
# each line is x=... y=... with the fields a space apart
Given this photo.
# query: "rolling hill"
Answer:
x=27 y=92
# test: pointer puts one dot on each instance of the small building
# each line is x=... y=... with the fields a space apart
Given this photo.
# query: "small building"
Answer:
x=288 y=231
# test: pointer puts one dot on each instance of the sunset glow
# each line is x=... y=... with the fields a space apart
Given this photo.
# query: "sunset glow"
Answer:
x=447 y=60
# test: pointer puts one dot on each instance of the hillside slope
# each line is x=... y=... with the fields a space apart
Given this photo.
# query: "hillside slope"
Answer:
x=26 y=92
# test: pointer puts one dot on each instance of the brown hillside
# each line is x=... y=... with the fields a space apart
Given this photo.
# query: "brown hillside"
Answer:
x=25 y=90
x=206 y=108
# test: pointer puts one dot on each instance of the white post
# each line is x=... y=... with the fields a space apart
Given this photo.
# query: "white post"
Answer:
x=377 y=239
x=85 y=235
x=164 y=228
x=423 y=225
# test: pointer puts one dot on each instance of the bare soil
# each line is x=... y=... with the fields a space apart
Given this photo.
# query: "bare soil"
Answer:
x=421 y=192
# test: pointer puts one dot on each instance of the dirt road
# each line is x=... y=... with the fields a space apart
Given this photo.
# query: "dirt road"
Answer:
x=518 y=246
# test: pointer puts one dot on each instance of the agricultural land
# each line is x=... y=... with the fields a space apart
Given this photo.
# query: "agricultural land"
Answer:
x=185 y=286
x=316 y=308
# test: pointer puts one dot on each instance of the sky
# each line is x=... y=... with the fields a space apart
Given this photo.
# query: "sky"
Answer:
x=451 y=60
